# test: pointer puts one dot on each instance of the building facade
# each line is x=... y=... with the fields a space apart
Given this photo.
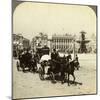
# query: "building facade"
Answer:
x=39 y=41
x=63 y=43
x=91 y=46
x=19 y=43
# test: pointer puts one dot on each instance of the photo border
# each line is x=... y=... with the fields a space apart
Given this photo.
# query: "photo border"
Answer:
x=78 y=4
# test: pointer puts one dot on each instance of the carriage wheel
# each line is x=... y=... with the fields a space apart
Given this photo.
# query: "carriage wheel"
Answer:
x=52 y=76
x=41 y=74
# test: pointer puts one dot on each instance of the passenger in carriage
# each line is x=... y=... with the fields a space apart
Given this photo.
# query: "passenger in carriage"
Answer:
x=28 y=58
x=55 y=61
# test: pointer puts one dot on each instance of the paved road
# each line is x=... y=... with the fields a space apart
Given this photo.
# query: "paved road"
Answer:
x=26 y=85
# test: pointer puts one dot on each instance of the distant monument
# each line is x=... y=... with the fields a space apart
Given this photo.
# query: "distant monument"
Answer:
x=82 y=43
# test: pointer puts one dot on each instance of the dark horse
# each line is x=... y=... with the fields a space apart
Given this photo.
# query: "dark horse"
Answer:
x=56 y=69
x=63 y=68
x=68 y=69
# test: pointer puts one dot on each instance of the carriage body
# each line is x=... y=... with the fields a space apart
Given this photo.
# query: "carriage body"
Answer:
x=42 y=51
x=25 y=64
x=51 y=69
x=59 y=69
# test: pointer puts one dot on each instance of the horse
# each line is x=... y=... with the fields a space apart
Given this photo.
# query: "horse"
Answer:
x=68 y=69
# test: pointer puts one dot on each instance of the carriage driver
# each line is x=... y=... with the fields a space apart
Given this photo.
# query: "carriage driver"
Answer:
x=28 y=58
x=69 y=58
x=54 y=55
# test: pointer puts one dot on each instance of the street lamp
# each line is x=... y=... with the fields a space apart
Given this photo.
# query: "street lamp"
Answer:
x=74 y=45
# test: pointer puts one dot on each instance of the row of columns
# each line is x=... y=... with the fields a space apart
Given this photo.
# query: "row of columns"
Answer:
x=62 y=43
x=62 y=40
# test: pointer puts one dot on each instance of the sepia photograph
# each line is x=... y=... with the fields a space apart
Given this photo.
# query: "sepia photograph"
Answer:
x=54 y=49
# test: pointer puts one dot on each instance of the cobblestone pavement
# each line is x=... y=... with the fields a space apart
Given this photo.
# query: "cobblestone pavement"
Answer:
x=26 y=85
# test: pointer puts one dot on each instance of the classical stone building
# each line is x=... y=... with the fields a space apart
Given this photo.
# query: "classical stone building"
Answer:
x=19 y=43
x=63 y=43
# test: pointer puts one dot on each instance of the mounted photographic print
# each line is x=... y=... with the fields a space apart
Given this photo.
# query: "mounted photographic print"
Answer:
x=54 y=49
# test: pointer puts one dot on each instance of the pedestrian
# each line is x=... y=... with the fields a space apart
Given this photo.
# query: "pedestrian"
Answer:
x=77 y=62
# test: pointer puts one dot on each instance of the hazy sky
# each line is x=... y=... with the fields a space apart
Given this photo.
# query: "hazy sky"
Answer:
x=31 y=18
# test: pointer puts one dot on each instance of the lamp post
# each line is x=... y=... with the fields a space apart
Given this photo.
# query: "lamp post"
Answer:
x=74 y=46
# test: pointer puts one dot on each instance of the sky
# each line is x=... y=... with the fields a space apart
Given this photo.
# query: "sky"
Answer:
x=31 y=18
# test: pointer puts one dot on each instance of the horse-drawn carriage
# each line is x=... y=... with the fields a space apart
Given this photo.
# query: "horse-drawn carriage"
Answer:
x=45 y=67
x=61 y=68
x=56 y=69
x=26 y=62
x=29 y=61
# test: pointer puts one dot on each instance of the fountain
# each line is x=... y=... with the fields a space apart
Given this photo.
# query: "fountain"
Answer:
x=82 y=43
